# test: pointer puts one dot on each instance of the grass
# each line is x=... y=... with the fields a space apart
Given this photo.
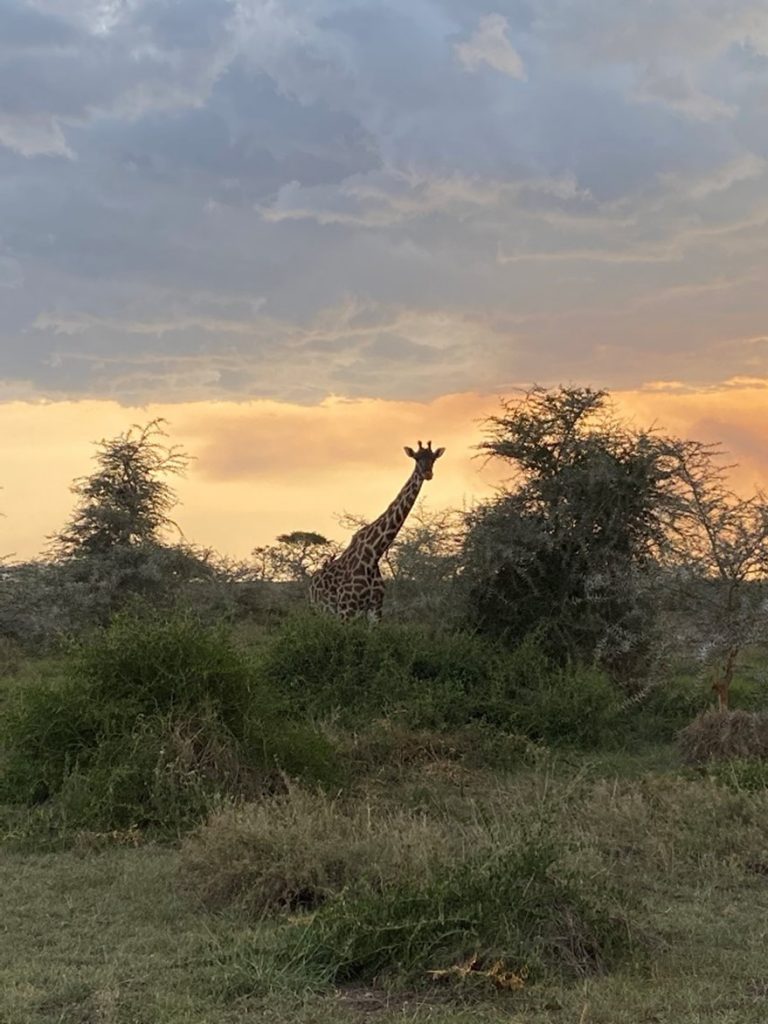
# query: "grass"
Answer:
x=102 y=937
x=722 y=735
x=114 y=934
x=434 y=680
x=296 y=849
x=462 y=861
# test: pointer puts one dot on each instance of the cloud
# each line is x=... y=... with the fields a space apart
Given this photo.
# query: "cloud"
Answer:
x=82 y=323
x=11 y=275
x=675 y=91
x=260 y=468
x=728 y=413
x=383 y=198
x=65 y=70
x=336 y=437
x=379 y=199
x=662 y=252
x=746 y=167
x=490 y=45
x=38 y=135
x=353 y=349
x=590 y=31
x=221 y=200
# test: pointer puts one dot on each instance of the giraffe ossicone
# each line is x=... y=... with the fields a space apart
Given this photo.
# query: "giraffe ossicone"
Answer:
x=350 y=585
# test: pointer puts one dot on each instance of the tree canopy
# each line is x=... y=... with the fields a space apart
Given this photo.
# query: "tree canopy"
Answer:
x=127 y=500
x=558 y=549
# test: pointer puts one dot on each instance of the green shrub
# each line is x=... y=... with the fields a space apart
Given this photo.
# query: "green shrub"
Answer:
x=514 y=905
x=164 y=775
x=295 y=748
x=145 y=665
x=666 y=709
x=152 y=722
x=430 y=680
x=348 y=669
x=48 y=724
x=560 y=705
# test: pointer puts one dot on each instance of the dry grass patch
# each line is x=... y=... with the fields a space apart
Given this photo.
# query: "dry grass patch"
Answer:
x=296 y=850
x=720 y=735
x=397 y=893
x=107 y=937
x=388 y=752
x=293 y=850
x=665 y=828
x=518 y=910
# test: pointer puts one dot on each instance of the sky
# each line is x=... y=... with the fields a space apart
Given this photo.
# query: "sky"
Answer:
x=308 y=232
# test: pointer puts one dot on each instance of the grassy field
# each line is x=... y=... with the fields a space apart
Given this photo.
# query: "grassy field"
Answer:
x=336 y=826
x=110 y=933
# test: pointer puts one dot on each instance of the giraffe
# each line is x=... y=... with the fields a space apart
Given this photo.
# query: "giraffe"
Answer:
x=350 y=585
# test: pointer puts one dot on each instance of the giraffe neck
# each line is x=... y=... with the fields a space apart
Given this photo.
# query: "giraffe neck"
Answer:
x=377 y=536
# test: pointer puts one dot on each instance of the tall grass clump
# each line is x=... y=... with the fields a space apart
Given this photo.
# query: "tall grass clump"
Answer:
x=720 y=735
x=391 y=750
x=515 y=906
x=362 y=891
x=741 y=774
x=434 y=680
x=297 y=849
x=11 y=657
x=151 y=721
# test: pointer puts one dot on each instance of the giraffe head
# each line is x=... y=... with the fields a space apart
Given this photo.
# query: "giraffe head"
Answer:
x=425 y=458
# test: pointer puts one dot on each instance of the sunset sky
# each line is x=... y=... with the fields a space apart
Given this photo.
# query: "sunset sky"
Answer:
x=308 y=232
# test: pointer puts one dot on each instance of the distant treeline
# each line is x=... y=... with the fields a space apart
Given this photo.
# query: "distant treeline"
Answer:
x=611 y=545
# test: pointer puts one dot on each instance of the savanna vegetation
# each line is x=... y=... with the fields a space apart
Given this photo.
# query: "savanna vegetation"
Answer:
x=536 y=792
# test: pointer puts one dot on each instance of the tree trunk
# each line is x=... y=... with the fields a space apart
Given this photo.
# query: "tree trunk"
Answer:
x=722 y=683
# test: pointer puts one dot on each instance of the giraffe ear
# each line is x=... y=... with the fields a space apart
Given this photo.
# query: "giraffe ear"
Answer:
x=439 y=452
x=409 y=452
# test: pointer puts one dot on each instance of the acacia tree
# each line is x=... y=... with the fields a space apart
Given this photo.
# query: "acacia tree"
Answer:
x=717 y=558
x=117 y=541
x=294 y=558
x=560 y=549
x=127 y=500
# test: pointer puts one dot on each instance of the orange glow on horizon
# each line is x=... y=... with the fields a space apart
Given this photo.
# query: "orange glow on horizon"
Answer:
x=262 y=468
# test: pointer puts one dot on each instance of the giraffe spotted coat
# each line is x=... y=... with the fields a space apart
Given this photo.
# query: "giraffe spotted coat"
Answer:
x=350 y=585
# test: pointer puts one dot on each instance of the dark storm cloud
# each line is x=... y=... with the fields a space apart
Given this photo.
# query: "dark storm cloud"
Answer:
x=214 y=198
